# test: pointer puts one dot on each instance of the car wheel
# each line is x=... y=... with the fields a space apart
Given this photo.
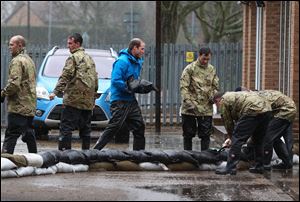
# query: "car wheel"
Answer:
x=41 y=133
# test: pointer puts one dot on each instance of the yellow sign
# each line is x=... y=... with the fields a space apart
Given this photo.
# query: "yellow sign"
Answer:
x=189 y=56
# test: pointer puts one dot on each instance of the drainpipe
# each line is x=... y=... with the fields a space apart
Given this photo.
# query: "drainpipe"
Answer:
x=259 y=15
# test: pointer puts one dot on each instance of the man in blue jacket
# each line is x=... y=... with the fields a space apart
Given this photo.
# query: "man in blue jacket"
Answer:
x=124 y=106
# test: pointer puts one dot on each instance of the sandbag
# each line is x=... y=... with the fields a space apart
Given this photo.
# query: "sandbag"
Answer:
x=18 y=160
x=181 y=156
x=8 y=174
x=116 y=155
x=50 y=158
x=7 y=164
x=149 y=166
x=73 y=157
x=207 y=156
x=25 y=171
x=91 y=155
x=45 y=171
x=102 y=166
x=34 y=160
x=158 y=157
x=182 y=166
x=139 y=156
x=127 y=166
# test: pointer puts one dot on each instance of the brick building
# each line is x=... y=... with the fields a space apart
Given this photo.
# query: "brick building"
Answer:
x=271 y=49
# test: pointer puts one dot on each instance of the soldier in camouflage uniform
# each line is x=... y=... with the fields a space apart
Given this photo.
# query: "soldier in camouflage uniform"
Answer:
x=78 y=84
x=284 y=112
x=245 y=114
x=198 y=84
x=20 y=92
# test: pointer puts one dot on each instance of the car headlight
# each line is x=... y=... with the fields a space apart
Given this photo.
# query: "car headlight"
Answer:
x=42 y=93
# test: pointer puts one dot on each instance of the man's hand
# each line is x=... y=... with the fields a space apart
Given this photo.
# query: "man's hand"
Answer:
x=52 y=96
x=227 y=143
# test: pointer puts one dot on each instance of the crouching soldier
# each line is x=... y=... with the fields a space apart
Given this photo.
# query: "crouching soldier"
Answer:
x=245 y=114
x=284 y=113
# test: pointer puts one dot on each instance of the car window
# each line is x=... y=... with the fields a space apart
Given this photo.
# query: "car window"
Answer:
x=55 y=64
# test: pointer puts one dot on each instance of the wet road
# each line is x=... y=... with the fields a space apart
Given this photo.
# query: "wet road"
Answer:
x=146 y=185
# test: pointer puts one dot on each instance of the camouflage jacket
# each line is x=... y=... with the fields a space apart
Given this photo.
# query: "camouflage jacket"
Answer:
x=79 y=81
x=20 y=89
x=234 y=105
x=198 y=84
x=283 y=107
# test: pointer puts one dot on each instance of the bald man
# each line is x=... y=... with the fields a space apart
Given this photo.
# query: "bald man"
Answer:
x=20 y=92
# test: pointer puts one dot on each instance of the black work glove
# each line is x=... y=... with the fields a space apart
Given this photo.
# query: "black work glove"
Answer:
x=141 y=86
x=2 y=99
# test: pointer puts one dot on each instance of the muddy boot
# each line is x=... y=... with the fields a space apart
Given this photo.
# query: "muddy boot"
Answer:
x=86 y=141
x=187 y=143
x=230 y=166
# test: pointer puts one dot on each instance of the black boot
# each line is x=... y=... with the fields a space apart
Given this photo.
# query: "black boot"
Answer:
x=29 y=139
x=282 y=166
x=64 y=142
x=283 y=154
x=8 y=146
x=138 y=143
x=229 y=169
x=257 y=168
x=86 y=141
x=267 y=159
x=187 y=143
x=205 y=143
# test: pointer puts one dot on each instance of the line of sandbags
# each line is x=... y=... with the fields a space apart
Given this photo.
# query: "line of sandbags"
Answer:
x=166 y=157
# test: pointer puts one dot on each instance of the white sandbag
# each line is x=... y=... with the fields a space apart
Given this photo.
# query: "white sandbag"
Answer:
x=80 y=168
x=25 y=171
x=8 y=174
x=295 y=159
x=7 y=164
x=64 y=168
x=206 y=166
x=45 y=171
x=222 y=165
x=34 y=160
x=153 y=166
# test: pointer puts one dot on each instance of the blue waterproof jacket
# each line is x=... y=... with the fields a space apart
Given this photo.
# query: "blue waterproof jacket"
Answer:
x=123 y=68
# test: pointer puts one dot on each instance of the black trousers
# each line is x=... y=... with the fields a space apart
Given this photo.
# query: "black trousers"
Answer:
x=279 y=128
x=72 y=119
x=19 y=125
x=129 y=113
x=247 y=126
x=193 y=124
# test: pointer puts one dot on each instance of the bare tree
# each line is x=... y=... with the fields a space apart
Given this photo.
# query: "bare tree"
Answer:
x=173 y=16
x=220 y=21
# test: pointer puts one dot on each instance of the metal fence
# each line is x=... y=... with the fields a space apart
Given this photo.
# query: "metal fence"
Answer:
x=226 y=57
